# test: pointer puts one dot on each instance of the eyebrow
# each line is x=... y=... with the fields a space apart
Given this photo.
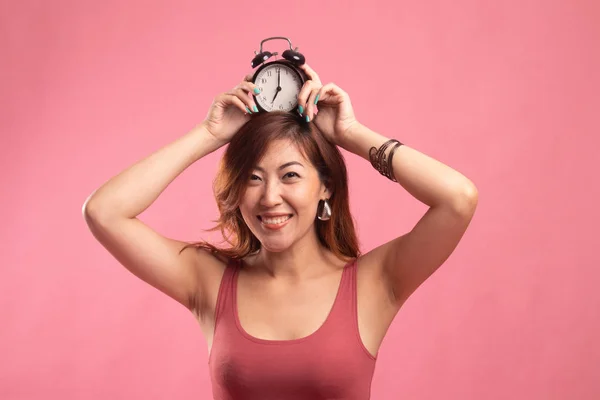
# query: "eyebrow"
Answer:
x=282 y=166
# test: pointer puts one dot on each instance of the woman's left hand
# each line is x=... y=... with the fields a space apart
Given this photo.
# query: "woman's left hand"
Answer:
x=335 y=114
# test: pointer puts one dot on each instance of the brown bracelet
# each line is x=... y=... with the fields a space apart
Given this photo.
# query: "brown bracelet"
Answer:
x=378 y=161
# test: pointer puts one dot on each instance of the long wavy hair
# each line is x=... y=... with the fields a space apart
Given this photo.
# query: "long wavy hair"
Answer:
x=244 y=152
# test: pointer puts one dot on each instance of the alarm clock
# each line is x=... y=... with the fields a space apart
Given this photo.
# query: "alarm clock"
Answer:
x=280 y=81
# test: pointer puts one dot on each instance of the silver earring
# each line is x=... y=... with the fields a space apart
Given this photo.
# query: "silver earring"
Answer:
x=324 y=212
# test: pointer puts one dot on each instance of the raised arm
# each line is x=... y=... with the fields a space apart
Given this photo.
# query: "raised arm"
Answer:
x=111 y=215
x=406 y=262
x=111 y=211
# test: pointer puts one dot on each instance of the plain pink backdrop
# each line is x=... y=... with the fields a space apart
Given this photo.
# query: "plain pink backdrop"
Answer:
x=506 y=92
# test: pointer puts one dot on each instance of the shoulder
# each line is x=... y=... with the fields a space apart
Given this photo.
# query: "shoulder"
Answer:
x=211 y=267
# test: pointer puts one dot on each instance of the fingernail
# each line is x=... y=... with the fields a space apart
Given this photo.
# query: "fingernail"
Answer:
x=316 y=99
x=301 y=109
x=255 y=109
x=307 y=119
x=249 y=112
x=256 y=90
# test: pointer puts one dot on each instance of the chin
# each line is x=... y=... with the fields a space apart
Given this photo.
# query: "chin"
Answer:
x=275 y=246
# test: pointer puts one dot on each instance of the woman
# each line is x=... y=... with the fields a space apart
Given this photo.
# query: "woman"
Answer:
x=291 y=310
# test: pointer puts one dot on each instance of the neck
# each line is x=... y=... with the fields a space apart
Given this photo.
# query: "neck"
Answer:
x=306 y=258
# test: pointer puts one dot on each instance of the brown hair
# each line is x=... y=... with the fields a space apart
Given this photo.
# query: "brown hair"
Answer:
x=244 y=152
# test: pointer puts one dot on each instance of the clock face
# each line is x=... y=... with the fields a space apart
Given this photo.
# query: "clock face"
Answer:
x=280 y=85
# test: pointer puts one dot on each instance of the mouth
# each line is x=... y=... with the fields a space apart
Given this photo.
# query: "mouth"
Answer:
x=274 y=222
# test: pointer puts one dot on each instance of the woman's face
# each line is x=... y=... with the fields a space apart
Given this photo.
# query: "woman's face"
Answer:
x=281 y=198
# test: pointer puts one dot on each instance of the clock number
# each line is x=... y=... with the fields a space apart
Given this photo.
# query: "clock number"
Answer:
x=269 y=73
x=263 y=80
x=281 y=106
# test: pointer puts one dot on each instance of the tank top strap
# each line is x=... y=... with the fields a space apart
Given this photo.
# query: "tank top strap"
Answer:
x=353 y=285
x=225 y=295
x=350 y=283
x=344 y=309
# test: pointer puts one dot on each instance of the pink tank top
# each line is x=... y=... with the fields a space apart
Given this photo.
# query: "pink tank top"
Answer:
x=331 y=363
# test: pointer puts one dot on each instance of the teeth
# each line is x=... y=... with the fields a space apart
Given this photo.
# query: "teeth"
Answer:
x=275 y=221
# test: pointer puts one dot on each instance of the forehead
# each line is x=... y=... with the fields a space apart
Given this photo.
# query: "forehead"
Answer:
x=281 y=151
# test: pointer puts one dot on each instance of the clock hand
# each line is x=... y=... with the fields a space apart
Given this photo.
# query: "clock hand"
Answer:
x=276 y=93
x=278 y=86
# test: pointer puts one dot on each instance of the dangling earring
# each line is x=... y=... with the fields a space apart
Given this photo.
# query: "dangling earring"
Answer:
x=324 y=210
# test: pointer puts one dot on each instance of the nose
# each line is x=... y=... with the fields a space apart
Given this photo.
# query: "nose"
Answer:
x=271 y=195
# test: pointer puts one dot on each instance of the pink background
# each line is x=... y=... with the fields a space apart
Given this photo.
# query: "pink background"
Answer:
x=505 y=92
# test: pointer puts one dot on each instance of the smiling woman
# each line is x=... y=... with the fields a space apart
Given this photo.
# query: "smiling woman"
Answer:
x=281 y=150
x=290 y=309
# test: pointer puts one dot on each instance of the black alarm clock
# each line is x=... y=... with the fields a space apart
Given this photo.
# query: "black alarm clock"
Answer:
x=280 y=81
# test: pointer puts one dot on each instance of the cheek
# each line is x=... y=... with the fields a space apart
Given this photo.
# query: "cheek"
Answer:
x=302 y=199
x=306 y=206
x=246 y=206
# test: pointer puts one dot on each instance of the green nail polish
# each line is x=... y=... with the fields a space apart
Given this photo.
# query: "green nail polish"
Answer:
x=316 y=99
x=256 y=90
x=255 y=109
x=249 y=112
x=301 y=109
x=307 y=119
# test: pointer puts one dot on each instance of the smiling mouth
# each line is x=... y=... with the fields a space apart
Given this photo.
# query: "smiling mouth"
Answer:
x=274 y=221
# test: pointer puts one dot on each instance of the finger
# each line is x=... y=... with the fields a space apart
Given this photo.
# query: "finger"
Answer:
x=255 y=90
x=244 y=91
x=305 y=92
x=310 y=73
x=245 y=97
x=311 y=103
x=232 y=99
x=330 y=93
x=250 y=87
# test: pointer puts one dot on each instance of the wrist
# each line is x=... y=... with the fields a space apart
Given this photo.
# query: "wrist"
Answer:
x=204 y=130
x=205 y=141
x=359 y=140
x=346 y=138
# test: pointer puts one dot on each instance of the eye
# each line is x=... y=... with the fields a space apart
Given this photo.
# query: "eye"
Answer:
x=291 y=173
x=252 y=177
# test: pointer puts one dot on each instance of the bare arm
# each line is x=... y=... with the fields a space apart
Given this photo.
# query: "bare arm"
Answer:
x=191 y=276
x=133 y=190
x=111 y=215
x=408 y=260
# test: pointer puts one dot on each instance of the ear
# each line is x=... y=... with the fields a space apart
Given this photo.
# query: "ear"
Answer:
x=325 y=191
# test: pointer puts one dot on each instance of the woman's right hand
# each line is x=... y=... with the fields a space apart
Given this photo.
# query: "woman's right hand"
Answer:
x=230 y=111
